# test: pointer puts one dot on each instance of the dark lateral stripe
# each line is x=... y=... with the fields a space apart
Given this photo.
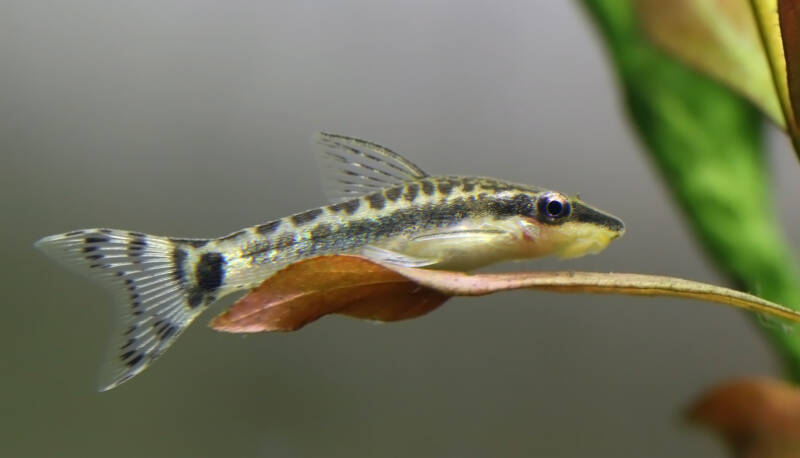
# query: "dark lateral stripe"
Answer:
x=321 y=239
x=347 y=234
x=257 y=247
x=306 y=217
x=284 y=241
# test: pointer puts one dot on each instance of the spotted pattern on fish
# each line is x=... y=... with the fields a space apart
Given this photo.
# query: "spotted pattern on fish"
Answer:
x=305 y=217
x=136 y=245
x=268 y=228
x=178 y=259
x=376 y=200
x=411 y=191
x=96 y=239
x=321 y=239
x=166 y=282
x=376 y=222
x=349 y=206
x=394 y=193
x=444 y=187
x=427 y=187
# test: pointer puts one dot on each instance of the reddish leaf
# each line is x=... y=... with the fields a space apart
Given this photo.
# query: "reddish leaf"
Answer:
x=354 y=286
x=307 y=290
x=789 y=18
x=757 y=417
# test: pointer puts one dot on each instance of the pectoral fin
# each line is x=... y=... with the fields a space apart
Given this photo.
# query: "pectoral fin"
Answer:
x=447 y=248
x=462 y=235
x=393 y=257
x=463 y=248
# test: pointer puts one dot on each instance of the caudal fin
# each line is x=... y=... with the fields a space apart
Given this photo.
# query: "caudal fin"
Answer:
x=147 y=277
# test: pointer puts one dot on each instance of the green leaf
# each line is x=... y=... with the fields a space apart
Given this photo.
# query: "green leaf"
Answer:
x=707 y=143
x=720 y=38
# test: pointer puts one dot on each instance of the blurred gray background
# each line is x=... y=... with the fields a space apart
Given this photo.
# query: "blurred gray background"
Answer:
x=195 y=118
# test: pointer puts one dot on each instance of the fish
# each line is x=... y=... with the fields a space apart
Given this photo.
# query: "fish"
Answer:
x=381 y=206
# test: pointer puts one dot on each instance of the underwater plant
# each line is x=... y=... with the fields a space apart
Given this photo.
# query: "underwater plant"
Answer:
x=699 y=78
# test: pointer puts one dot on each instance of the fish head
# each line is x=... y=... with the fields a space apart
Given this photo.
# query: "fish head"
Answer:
x=566 y=226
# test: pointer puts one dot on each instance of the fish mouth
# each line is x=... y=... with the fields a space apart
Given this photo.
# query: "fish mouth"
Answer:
x=588 y=240
x=589 y=231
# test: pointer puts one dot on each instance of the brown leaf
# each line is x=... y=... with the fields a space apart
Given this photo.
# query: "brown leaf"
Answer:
x=307 y=290
x=776 y=22
x=719 y=37
x=789 y=18
x=358 y=287
x=757 y=417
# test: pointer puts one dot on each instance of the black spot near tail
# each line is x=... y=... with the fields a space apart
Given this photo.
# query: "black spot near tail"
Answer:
x=210 y=271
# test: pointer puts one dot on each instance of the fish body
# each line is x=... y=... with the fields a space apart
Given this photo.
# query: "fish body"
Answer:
x=384 y=207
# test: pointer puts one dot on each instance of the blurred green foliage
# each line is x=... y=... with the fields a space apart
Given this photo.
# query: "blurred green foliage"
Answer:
x=708 y=144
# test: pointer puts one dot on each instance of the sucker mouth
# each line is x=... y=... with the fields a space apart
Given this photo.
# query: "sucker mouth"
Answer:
x=586 y=246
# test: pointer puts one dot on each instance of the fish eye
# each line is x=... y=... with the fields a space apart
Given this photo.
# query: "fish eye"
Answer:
x=553 y=206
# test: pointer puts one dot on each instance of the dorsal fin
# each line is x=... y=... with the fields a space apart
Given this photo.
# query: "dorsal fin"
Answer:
x=351 y=167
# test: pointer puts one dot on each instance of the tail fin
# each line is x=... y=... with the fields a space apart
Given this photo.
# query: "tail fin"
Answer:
x=147 y=276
